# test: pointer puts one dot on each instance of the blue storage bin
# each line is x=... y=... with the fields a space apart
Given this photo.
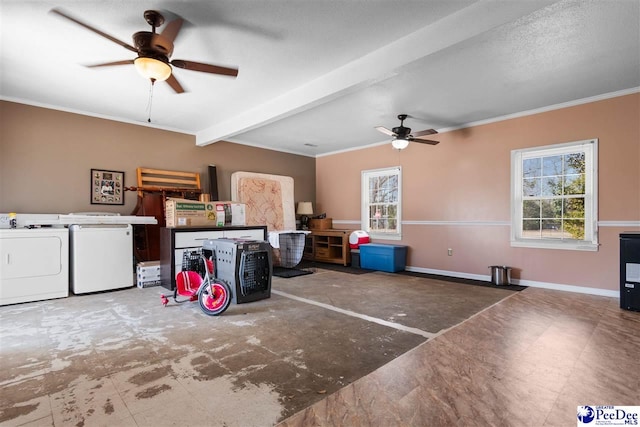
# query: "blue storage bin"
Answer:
x=391 y=258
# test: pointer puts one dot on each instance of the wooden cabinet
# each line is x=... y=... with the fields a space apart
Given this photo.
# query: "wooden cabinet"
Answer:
x=328 y=246
x=178 y=243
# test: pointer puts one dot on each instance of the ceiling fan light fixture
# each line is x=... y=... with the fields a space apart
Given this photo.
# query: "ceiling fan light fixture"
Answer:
x=400 y=143
x=151 y=68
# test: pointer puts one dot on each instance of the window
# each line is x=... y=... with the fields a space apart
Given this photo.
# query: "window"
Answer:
x=554 y=196
x=381 y=202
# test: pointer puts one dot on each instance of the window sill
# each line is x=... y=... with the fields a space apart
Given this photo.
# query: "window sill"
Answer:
x=385 y=236
x=570 y=246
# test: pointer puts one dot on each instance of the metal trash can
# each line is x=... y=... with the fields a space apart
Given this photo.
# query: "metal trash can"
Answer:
x=500 y=275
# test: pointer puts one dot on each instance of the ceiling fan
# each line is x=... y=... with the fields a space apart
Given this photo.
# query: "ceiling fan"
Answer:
x=154 y=50
x=402 y=135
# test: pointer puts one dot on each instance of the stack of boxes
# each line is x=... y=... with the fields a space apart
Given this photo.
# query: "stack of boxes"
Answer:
x=148 y=274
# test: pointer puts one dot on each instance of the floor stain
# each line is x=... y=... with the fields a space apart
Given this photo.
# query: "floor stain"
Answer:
x=200 y=360
x=108 y=407
x=146 y=377
x=152 y=391
x=209 y=371
x=16 y=411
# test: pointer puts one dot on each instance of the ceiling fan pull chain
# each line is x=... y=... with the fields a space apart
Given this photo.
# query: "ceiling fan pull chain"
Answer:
x=150 y=99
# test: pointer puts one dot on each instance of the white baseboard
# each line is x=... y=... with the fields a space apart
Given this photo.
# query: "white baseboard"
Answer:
x=532 y=283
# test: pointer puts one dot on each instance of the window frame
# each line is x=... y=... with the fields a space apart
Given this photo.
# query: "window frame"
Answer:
x=590 y=241
x=364 y=202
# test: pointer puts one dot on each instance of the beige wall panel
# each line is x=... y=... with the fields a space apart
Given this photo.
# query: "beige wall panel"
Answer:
x=46 y=157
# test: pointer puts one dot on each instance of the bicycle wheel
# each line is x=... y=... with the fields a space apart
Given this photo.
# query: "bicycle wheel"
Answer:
x=215 y=298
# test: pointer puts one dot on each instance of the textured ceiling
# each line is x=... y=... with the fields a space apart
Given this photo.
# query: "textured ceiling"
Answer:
x=317 y=76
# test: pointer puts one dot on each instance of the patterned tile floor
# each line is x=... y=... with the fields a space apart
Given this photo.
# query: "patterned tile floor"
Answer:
x=529 y=360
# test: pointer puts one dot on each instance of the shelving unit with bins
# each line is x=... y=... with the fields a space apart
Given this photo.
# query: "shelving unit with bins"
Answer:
x=328 y=246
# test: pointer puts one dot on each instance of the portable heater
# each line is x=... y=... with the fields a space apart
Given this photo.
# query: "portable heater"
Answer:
x=244 y=265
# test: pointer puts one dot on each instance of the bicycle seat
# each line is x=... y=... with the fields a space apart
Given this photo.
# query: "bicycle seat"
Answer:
x=187 y=283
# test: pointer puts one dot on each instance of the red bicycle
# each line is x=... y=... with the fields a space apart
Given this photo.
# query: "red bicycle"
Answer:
x=213 y=295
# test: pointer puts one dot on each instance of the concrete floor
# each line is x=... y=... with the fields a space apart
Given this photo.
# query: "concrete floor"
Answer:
x=120 y=358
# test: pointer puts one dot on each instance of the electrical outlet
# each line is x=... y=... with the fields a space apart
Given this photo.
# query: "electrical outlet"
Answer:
x=449 y=251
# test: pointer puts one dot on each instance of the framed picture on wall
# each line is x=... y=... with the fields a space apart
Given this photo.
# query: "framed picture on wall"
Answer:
x=107 y=187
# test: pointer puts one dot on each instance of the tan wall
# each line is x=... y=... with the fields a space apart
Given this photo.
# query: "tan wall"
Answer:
x=46 y=157
x=467 y=178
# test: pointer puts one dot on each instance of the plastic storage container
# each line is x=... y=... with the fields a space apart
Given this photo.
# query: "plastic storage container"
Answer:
x=357 y=238
x=390 y=258
x=244 y=265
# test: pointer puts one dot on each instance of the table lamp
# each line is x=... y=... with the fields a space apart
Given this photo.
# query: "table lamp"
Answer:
x=304 y=210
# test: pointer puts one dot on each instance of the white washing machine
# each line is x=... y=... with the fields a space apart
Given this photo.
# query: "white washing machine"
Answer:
x=101 y=257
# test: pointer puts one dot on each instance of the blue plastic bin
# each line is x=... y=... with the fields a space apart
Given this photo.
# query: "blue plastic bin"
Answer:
x=390 y=258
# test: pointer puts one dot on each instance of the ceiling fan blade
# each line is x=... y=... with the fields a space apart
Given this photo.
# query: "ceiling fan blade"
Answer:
x=108 y=64
x=425 y=132
x=205 y=68
x=172 y=29
x=424 y=141
x=384 y=130
x=58 y=11
x=175 y=84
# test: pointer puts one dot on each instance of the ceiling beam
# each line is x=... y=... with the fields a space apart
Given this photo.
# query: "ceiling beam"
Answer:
x=376 y=66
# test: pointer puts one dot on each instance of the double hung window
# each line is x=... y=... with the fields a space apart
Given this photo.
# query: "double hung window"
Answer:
x=381 y=203
x=554 y=196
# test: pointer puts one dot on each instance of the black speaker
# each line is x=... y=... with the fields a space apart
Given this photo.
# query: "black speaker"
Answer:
x=213 y=183
x=630 y=271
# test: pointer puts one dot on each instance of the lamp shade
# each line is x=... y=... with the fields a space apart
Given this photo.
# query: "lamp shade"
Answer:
x=151 y=68
x=305 y=208
x=400 y=144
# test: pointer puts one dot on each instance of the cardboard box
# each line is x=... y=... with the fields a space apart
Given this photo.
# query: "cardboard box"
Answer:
x=321 y=224
x=148 y=270
x=234 y=214
x=148 y=283
x=148 y=274
x=184 y=213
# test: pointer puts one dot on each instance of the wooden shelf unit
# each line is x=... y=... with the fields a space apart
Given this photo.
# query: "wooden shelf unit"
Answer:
x=328 y=246
x=154 y=186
